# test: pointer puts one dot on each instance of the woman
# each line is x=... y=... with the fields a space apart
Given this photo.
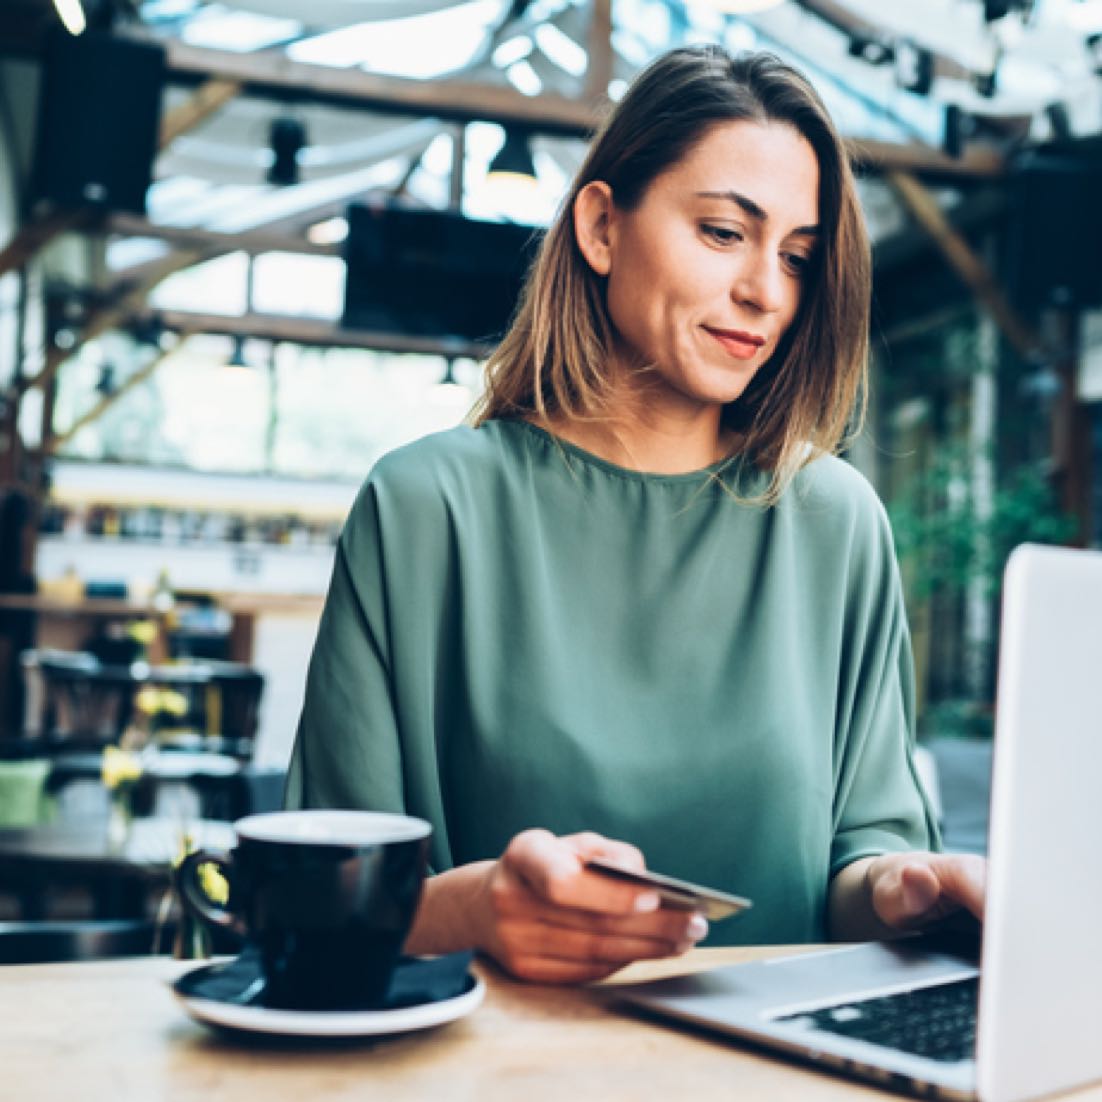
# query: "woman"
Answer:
x=639 y=611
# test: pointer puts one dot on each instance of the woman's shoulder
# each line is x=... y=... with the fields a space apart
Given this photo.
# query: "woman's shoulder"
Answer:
x=832 y=482
x=835 y=508
x=438 y=467
x=440 y=455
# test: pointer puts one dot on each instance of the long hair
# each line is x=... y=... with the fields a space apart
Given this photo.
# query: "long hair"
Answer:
x=554 y=360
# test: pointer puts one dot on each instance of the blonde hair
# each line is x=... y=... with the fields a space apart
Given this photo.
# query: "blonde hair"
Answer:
x=554 y=359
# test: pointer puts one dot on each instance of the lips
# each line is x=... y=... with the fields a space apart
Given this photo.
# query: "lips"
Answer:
x=737 y=342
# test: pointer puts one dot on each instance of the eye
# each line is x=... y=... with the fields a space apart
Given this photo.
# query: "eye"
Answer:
x=798 y=263
x=721 y=235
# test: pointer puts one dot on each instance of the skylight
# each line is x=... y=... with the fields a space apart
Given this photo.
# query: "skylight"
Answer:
x=221 y=28
x=419 y=46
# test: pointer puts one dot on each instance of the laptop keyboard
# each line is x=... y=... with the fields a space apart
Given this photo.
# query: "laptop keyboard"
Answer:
x=936 y=1022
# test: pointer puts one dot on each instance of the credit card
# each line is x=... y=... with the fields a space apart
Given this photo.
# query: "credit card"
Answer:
x=681 y=895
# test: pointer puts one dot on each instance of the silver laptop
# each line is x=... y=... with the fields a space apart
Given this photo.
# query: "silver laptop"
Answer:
x=1022 y=1017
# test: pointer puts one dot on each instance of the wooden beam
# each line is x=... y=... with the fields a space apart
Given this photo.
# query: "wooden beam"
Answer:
x=308 y=331
x=208 y=98
x=971 y=268
x=277 y=77
x=108 y=400
x=887 y=157
x=598 y=71
x=31 y=238
x=107 y=318
x=191 y=237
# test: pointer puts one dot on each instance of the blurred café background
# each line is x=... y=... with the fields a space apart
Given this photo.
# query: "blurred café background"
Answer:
x=248 y=246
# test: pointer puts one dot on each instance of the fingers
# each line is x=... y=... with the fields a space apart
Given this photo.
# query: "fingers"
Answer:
x=588 y=845
x=665 y=924
x=554 y=869
x=598 y=948
x=912 y=889
x=963 y=878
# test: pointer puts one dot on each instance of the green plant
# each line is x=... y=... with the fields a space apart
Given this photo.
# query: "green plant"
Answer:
x=948 y=540
x=953 y=547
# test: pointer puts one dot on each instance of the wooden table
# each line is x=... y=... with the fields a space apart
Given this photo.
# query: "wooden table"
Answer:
x=112 y=1030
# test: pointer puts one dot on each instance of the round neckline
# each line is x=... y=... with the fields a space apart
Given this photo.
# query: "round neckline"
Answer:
x=629 y=473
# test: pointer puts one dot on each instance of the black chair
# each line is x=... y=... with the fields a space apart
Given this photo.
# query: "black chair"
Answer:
x=72 y=695
x=82 y=699
x=81 y=939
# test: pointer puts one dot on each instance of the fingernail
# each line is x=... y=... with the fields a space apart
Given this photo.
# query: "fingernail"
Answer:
x=647 y=902
x=698 y=927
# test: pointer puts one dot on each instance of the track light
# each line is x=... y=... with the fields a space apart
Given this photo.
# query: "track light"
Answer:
x=1094 y=48
x=914 y=67
x=105 y=386
x=237 y=356
x=514 y=158
x=876 y=51
x=959 y=128
x=1059 y=122
x=986 y=84
x=288 y=139
x=71 y=14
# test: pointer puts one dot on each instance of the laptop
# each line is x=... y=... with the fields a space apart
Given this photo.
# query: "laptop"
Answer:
x=1021 y=1017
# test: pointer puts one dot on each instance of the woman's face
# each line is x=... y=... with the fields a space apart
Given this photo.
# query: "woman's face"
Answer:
x=705 y=275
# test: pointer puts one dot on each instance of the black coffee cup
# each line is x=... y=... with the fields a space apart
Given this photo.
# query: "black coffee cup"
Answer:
x=327 y=897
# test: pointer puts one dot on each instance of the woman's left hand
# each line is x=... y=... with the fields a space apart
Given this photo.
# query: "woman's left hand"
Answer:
x=909 y=890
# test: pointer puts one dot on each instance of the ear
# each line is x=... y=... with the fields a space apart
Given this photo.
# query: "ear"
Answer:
x=594 y=218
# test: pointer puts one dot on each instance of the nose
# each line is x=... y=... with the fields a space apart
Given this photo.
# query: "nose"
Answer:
x=759 y=283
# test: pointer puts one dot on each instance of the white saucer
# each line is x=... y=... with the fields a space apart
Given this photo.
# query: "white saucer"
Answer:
x=333 y=1023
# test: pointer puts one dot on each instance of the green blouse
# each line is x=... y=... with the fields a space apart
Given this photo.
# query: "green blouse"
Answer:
x=521 y=634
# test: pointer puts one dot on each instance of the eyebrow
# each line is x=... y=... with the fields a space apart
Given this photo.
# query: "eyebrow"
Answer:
x=758 y=213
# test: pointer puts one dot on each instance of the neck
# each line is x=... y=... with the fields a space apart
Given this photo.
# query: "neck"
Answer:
x=643 y=438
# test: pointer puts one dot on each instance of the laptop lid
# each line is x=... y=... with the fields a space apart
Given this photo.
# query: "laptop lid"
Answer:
x=1040 y=1014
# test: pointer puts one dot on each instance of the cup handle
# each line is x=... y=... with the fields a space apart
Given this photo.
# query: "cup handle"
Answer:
x=195 y=899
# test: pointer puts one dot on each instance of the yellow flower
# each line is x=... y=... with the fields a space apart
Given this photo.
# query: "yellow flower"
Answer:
x=185 y=843
x=215 y=886
x=120 y=767
x=142 y=631
x=152 y=701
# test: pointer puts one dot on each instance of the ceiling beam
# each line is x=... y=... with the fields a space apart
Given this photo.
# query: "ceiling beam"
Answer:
x=277 y=77
x=968 y=265
x=106 y=317
x=598 y=70
x=35 y=235
x=309 y=331
x=99 y=408
x=210 y=96
x=252 y=242
x=975 y=163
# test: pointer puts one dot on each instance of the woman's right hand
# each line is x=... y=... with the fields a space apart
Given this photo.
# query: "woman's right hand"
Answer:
x=544 y=918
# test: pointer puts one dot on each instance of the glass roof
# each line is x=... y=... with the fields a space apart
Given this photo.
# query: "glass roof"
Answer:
x=1040 y=49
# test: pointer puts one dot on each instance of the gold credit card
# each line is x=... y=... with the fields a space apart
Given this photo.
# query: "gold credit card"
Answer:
x=681 y=895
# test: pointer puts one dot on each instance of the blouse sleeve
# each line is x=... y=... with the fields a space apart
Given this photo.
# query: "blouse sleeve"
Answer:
x=880 y=805
x=347 y=751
